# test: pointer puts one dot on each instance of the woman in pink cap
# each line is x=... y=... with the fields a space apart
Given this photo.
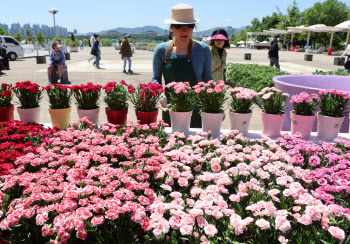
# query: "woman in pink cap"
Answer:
x=218 y=42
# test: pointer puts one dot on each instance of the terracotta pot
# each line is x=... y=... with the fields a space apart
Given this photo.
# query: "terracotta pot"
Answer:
x=240 y=122
x=212 y=122
x=272 y=124
x=302 y=124
x=117 y=117
x=29 y=114
x=6 y=113
x=328 y=127
x=180 y=121
x=60 y=117
x=147 y=117
x=92 y=114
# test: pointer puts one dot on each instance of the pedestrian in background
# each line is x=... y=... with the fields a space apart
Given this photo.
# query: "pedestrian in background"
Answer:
x=126 y=53
x=273 y=53
x=57 y=60
x=81 y=45
x=96 y=52
x=91 y=42
x=120 y=42
x=218 y=42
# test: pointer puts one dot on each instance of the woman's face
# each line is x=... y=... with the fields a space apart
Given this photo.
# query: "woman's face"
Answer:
x=219 y=43
x=183 y=34
x=97 y=38
x=57 y=48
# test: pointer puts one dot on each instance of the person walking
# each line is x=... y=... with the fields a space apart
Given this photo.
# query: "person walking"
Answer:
x=182 y=59
x=289 y=43
x=346 y=52
x=81 y=45
x=96 y=52
x=57 y=60
x=120 y=42
x=125 y=51
x=3 y=58
x=273 y=53
x=91 y=43
x=218 y=42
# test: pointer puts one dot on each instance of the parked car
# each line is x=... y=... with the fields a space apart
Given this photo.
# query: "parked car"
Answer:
x=13 y=48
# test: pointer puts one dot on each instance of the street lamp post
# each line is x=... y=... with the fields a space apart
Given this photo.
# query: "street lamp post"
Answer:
x=54 y=11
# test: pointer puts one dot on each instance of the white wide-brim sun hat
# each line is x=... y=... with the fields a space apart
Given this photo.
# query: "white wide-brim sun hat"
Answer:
x=182 y=14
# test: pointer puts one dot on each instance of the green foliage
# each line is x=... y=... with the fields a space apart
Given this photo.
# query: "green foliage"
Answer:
x=60 y=97
x=340 y=73
x=252 y=76
x=18 y=36
x=333 y=104
x=3 y=32
x=106 y=42
x=85 y=42
x=72 y=42
x=39 y=37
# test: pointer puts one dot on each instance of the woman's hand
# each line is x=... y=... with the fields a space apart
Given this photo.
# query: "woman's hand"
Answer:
x=163 y=102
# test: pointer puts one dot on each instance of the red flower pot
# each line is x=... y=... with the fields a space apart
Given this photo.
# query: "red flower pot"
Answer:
x=147 y=117
x=6 y=114
x=117 y=117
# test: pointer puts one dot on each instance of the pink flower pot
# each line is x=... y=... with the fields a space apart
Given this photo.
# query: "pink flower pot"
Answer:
x=272 y=124
x=147 y=117
x=328 y=127
x=240 y=122
x=6 y=113
x=92 y=114
x=180 y=121
x=117 y=117
x=29 y=114
x=212 y=122
x=302 y=124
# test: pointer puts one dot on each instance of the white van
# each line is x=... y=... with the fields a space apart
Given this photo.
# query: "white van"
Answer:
x=12 y=46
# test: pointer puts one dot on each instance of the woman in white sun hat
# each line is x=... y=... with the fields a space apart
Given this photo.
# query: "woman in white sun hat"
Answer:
x=182 y=59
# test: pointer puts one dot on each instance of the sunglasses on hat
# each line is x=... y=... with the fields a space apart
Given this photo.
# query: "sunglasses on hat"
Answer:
x=191 y=26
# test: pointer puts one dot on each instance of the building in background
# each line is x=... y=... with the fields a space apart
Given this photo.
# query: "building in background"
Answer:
x=35 y=28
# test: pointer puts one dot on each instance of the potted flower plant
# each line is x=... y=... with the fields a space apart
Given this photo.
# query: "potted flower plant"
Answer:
x=6 y=108
x=272 y=102
x=333 y=106
x=29 y=96
x=182 y=100
x=86 y=97
x=242 y=100
x=117 y=101
x=73 y=44
x=303 y=116
x=212 y=97
x=145 y=100
x=60 y=98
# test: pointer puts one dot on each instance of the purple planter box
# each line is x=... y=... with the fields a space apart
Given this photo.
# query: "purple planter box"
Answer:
x=295 y=84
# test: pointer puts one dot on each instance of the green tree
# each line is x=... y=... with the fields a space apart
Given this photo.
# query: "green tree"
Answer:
x=18 y=36
x=106 y=42
x=85 y=42
x=73 y=42
x=29 y=35
x=3 y=32
x=294 y=17
x=329 y=13
x=39 y=37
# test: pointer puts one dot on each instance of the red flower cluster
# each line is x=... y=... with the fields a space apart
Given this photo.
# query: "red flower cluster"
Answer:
x=150 y=89
x=62 y=87
x=17 y=139
x=131 y=87
x=6 y=93
x=27 y=85
x=87 y=88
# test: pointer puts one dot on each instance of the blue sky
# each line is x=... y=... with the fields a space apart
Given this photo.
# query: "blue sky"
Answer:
x=97 y=15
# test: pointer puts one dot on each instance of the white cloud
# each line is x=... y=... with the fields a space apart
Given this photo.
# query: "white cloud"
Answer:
x=228 y=20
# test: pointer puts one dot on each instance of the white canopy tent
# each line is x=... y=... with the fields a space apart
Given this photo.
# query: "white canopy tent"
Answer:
x=266 y=33
x=296 y=29
x=328 y=29
x=346 y=27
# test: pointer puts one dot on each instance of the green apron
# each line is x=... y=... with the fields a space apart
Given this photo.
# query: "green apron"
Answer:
x=180 y=70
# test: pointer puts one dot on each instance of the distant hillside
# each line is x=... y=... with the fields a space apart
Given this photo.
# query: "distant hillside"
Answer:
x=136 y=30
x=160 y=31
x=210 y=31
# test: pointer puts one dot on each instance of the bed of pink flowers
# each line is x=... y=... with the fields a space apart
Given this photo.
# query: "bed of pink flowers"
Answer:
x=136 y=184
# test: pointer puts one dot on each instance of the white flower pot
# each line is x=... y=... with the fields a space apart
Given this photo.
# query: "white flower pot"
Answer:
x=212 y=122
x=29 y=114
x=240 y=122
x=328 y=127
x=180 y=121
x=73 y=49
x=92 y=114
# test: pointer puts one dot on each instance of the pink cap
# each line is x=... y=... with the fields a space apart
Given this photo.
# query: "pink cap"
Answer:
x=219 y=37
